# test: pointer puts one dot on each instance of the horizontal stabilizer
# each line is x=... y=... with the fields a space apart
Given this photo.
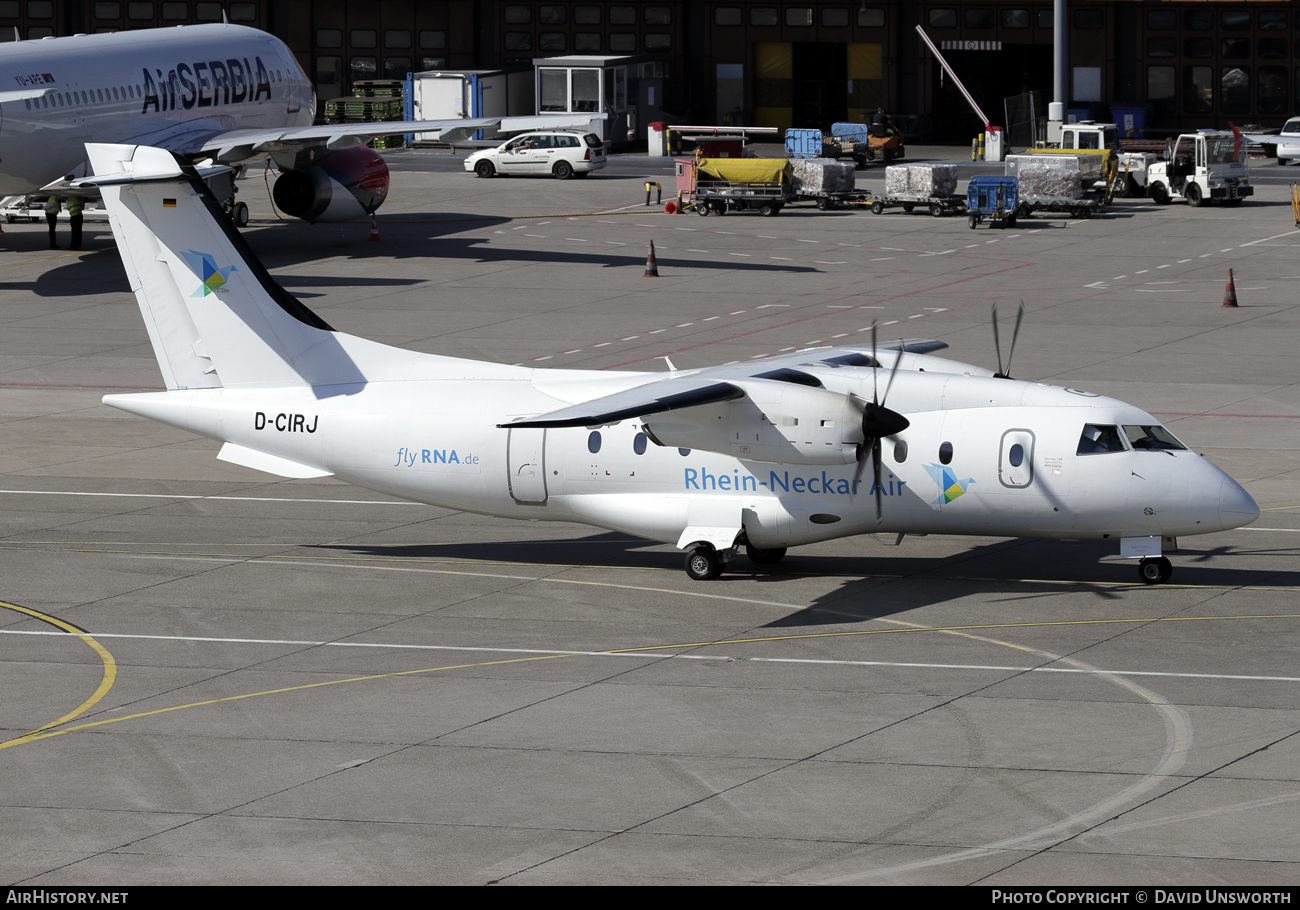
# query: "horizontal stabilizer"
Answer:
x=652 y=398
x=270 y=464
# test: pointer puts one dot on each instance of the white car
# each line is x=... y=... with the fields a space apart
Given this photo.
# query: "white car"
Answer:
x=561 y=153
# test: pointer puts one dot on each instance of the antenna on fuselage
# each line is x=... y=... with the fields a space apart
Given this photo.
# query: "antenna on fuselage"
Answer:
x=671 y=368
x=224 y=20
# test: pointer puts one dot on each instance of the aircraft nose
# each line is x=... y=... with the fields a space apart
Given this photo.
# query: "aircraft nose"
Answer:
x=1236 y=507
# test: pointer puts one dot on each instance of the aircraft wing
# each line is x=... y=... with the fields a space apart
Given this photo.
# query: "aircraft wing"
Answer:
x=655 y=397
x=236 y=145
x=692 y=388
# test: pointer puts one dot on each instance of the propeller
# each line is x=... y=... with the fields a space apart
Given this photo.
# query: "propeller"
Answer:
x=1020 y=314
x=878 y=422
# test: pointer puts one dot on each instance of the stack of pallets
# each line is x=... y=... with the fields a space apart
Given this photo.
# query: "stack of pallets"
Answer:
x=372 y=101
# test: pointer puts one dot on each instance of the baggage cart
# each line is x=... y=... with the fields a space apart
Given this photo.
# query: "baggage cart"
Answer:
x=938 y=206
x=992 y=199
x=714 y=186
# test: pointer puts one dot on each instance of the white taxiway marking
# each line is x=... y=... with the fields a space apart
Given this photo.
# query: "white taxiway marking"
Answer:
x=1274 y=237
x=658 y=655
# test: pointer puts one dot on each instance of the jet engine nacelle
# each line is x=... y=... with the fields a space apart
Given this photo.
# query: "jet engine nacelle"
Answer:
x=776 y=421
x=341 y=186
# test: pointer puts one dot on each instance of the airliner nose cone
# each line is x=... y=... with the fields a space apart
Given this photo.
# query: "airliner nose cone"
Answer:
x=1236 y=507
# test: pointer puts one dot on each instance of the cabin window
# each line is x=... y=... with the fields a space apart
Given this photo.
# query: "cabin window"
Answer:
x=1098 y=439
x=593 y=442
x=683 y=452
x=1016 y=456
x=639 y=443
x=945 y=453
x=900 y=451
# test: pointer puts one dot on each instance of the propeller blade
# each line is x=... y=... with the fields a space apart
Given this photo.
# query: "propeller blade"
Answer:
x=892 y=373
x=875 y=366
x=997 y=346
x=862 y=463
x=1020 y=315
x=875 y=469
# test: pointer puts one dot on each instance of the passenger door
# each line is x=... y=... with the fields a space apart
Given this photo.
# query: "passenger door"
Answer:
x=526 y=466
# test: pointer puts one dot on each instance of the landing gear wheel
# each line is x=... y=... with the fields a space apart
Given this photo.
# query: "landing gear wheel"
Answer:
x=1193 y=194
x=1155 y=571
x=908 y=206
x=764 y=557
x=877 y=207
x=703 y=563
x=485 y=169
x=239 y=215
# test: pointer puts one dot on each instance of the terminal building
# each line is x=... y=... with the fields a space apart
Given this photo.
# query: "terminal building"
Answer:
x=1185 y=65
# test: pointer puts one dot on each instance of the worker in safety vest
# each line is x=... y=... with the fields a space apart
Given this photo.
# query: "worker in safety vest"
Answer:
x=74 y=215
x=53 y=206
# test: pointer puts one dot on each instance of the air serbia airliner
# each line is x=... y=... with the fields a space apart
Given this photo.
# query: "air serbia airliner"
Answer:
x=225 y=93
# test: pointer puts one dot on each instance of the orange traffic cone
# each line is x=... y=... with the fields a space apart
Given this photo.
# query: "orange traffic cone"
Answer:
x=1230 y=292
x=651 y=267
x=374 y=228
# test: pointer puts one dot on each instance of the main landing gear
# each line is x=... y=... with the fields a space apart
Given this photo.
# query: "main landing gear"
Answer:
x=704 y=562
x=1155 y=571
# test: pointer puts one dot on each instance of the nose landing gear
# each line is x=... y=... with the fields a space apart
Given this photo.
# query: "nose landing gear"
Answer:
x=1155 y=571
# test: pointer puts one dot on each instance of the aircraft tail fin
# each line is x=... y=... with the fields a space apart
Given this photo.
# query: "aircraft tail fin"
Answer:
x=215 y=316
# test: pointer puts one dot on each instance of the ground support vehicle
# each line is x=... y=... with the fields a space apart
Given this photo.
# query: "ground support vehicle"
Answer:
x=992 y=199
x=559 y=153
x=1131 y=158
x=937 y=206
x=1204 y=167
x=714 y=186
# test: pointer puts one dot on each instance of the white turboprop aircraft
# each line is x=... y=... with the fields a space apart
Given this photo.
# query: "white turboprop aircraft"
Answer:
x=224 y=93
x=766 y=455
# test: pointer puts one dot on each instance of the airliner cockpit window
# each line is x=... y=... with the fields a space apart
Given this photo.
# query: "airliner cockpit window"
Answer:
x=1099 y=439
x=1151 y=438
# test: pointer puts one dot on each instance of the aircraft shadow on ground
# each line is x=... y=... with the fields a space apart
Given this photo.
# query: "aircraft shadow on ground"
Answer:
x=876 y=587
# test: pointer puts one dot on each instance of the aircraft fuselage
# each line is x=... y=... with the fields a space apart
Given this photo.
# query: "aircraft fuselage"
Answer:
x=147 y=86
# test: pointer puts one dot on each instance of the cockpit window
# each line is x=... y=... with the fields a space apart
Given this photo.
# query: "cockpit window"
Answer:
x=1098 y=439
x=1152 y=437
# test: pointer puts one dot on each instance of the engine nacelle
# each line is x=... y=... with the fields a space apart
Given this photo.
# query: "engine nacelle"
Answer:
x=341 y=186
x=778 y=422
